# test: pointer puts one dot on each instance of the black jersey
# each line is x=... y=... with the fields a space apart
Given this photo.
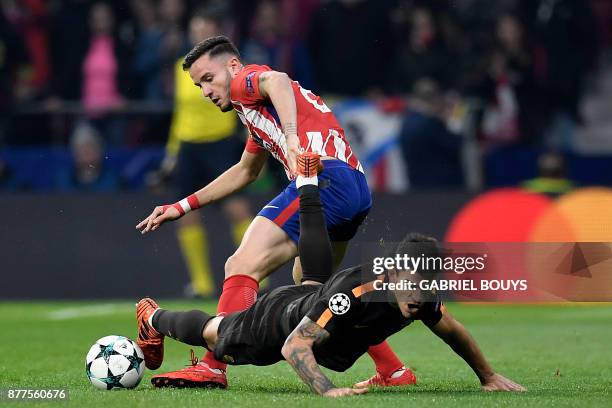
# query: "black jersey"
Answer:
x=344 y=306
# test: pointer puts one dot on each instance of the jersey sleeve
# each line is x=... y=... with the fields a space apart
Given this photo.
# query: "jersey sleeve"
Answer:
x=334 y=312
x=244 y=87
x=252 y=147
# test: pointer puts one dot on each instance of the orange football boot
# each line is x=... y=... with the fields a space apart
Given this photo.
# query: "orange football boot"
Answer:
x=149 y=340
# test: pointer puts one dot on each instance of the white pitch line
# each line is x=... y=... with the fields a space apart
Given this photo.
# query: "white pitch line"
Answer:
x=86 y=311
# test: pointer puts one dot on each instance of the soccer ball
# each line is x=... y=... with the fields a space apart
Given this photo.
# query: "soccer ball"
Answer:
x=114 y=362
x=339 y=304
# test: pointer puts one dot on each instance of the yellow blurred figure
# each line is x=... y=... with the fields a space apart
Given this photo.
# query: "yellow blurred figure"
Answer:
x=195 y=119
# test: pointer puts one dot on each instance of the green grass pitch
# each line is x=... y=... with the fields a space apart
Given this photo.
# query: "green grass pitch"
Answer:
x=561 y=353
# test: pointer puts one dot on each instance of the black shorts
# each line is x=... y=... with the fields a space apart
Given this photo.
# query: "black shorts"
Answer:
x=200 y=163
x=256 y=335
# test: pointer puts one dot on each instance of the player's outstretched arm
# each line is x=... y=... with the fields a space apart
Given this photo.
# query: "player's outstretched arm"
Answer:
x=459 y=339
x=235 y=178
x=276 y=86
x=298 y=353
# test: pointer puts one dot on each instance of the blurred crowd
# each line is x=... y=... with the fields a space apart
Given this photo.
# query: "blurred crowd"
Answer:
x=70 y=68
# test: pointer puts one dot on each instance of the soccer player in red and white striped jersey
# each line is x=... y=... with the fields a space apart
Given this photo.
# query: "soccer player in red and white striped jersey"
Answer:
x=284 y=120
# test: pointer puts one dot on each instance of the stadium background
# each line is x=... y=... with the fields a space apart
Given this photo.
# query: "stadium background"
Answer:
x=445 y=102
x=477 y=120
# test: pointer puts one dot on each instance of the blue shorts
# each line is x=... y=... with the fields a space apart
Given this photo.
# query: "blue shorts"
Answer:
x=345 y=197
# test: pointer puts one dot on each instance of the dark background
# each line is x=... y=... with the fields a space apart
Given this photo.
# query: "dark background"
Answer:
x=85 y=246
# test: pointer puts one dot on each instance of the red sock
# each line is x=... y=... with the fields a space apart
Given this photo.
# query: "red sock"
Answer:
x=239 y=293
x=385 y=359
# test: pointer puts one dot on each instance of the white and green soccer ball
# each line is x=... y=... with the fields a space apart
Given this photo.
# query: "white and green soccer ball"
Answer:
x=114 y=362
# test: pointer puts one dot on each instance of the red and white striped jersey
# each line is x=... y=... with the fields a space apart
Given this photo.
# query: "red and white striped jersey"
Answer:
x=318 y=129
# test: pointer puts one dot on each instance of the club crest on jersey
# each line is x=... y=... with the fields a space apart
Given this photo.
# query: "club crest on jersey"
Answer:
x=228 y=359
x=339 y=304
x=249 y=83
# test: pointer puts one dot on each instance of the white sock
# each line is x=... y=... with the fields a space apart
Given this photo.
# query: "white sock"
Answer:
x=302 y=181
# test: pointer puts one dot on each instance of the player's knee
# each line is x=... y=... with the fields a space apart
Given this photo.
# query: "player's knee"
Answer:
x=232 y=265
x=237 y=264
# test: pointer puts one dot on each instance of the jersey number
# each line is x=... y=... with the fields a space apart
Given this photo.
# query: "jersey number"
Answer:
x=318 y=145
x=310 y=97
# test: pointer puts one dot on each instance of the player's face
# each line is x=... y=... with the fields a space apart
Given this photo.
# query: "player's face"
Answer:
x=213 y=76
x=409 y=302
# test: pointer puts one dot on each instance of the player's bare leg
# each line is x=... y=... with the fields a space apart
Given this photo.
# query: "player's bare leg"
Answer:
x=264 y=247
x=211 y=331
x=240 y=216
x=296 y=272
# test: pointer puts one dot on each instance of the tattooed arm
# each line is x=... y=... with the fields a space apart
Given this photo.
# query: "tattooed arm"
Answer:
x=297 y=350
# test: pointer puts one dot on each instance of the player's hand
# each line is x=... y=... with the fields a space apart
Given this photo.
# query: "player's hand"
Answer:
x=500 y=383
x=157 y=218
x=343 y=392
x=293 y=150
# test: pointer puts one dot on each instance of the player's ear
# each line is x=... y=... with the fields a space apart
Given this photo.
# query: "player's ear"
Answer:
x=234 y=65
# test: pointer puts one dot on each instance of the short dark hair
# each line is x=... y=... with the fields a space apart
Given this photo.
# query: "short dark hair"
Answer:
x=416 y=244
x=213 y=46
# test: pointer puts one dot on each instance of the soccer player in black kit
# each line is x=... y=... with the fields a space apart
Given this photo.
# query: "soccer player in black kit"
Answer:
x=327 y=322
